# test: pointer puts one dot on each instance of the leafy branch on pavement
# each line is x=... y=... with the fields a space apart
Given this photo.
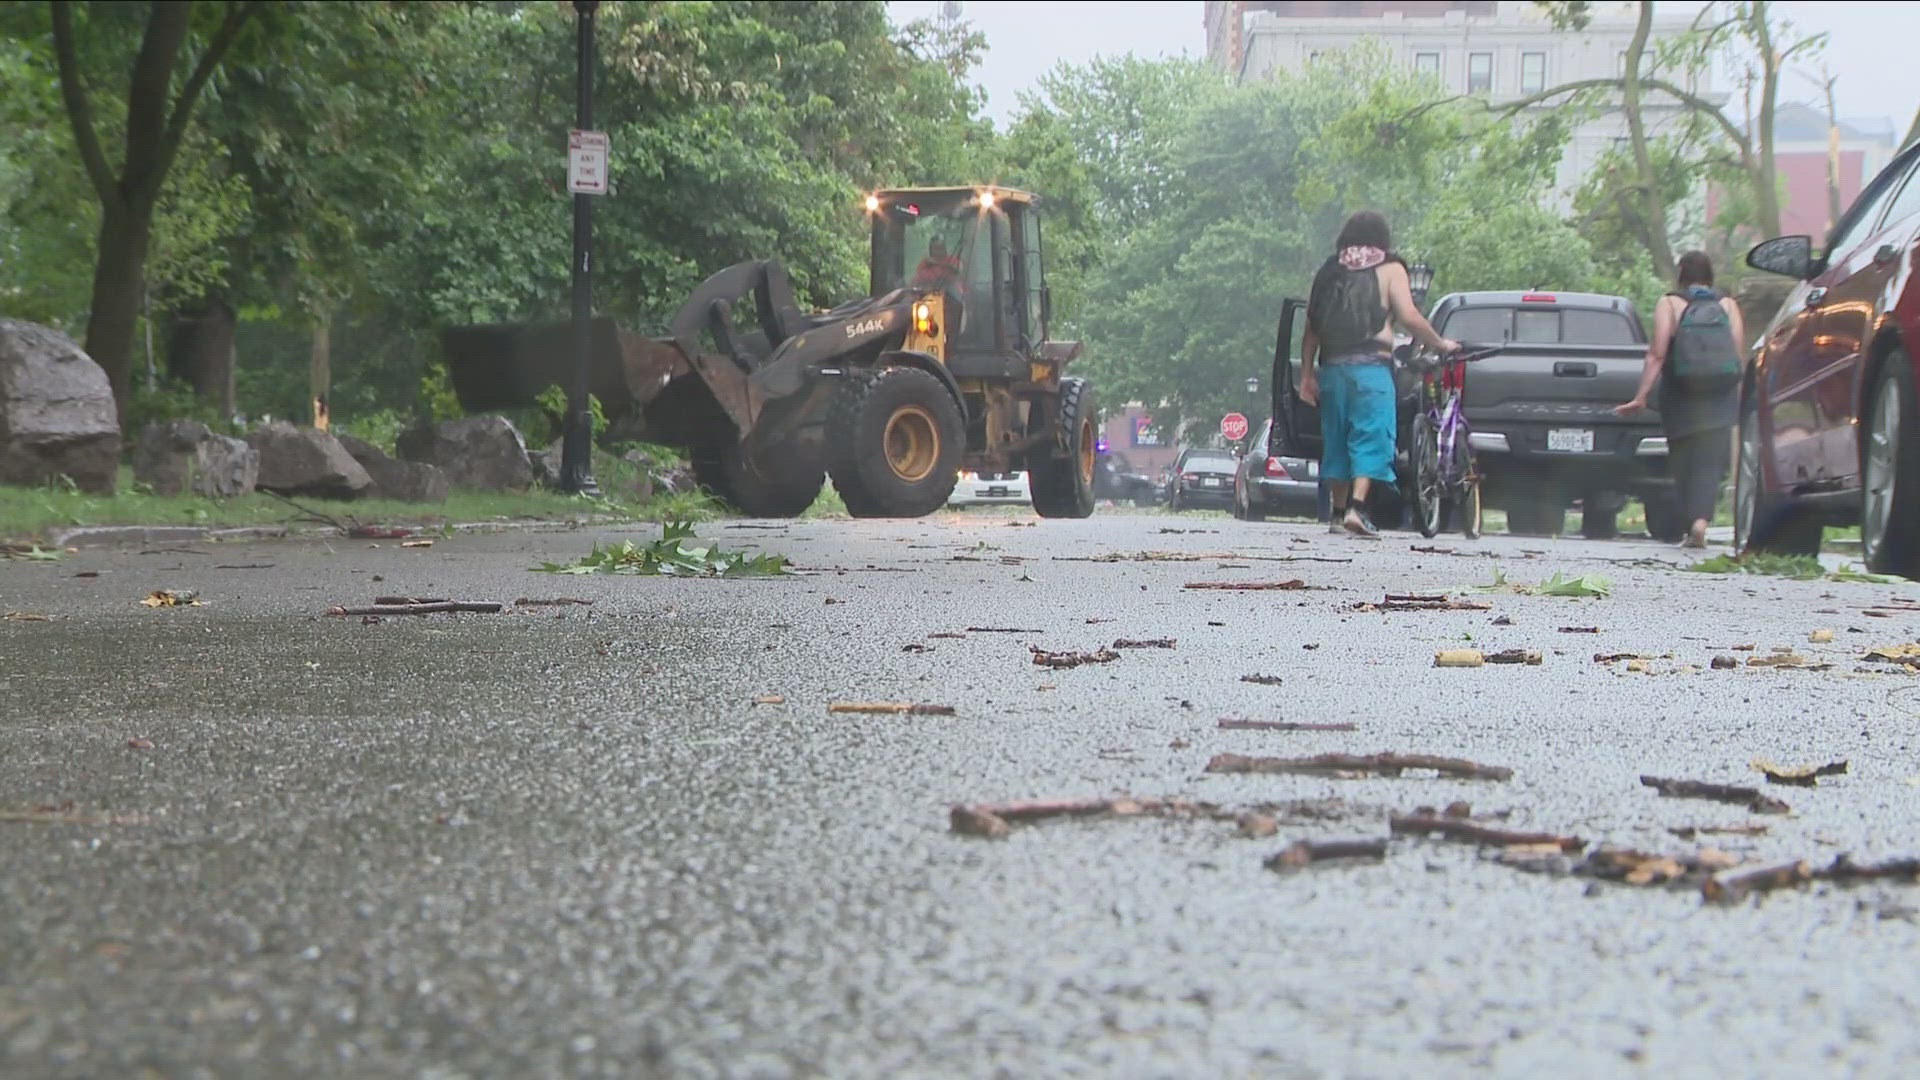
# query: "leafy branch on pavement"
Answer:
x=676 y=554
x=1557 y=585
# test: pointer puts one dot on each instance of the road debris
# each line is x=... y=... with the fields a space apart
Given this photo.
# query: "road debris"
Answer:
x=391 y=605
x=1689 y=832
x=1579 y=629
x=915 y=647
x=66 y=814
x=1586 y=585
x=1908 y=654
x=1192 y=556
x=1303 y=853
x=1001 y=630
x=1753 y=799
x=1146 y=643
x=1630 y=867
x=1255 y=826
x=678 y=553
x=993 y=820
x=1262 y=680
x=770 y=699
x=1407 y=602
x=1234 y=723
x=1801 y=775
x=1726 y=888
x=1460 y=828
x=173 y=598
x=1726 y=663
x=1045 y=658
x=1246 y=586
x=948 y=635
x=139 y=743
x=416 y=543
x=1516 y=656
x=1427 y=550
x=1845 y=871
x=26 y=616
x=560 y=601
x=1347 y=766
x=1820 y=637
x=1459 y=658
x=1614 y=658
x=890 y=707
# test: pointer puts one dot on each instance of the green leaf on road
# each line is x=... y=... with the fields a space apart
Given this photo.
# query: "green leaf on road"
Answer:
x=1584 y=585
x=673 y=556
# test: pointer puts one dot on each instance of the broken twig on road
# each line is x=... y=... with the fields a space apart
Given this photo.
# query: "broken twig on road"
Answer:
x=1799 y=776
x=1751 y=798
x=1262 y=680
x=1726 y=888
x=1346 y=765
x=1044 y=658
x=1146 y=643
x=437 y=607
x=890 y=707
x=1247 y=586
x=1459 y=828
x=992 y=820
x=1302 y=853
x=1438 y=602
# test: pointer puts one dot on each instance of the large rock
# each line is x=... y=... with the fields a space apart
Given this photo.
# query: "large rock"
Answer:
x=404 y=481
x=184 y=456
x=307 y=461
x=546 y=465
x=56 y=411
x=484 y=453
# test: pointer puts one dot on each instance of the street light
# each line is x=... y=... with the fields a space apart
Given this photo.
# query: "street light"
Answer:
x=1419 y=280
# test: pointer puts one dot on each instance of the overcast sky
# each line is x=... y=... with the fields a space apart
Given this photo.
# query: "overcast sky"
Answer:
x=1870 y=48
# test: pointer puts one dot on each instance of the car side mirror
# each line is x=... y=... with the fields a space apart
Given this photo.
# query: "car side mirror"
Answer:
x=1789 y=256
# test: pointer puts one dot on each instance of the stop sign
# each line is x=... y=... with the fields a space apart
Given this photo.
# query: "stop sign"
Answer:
x=1233 y=427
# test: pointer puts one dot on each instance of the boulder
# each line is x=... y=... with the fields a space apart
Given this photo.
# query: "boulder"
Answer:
x=184 y=456
x=403 y=481
x=56 y=411
x=483 y=453
x=546 y=465
x=306 y=461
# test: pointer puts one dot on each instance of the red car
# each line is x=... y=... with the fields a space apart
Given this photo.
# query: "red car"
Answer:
x=1829 y=421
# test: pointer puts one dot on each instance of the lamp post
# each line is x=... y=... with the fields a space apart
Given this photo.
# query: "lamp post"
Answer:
x=576 y=446
x=1419 y=280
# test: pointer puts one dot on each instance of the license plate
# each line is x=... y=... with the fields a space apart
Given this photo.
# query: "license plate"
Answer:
x=1210 y=482
x=1573 y=440
x=996 y=493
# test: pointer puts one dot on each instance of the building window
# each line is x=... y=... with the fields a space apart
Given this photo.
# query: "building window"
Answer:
x=1427 y=63
x=1533 y=72
x=1480 y=73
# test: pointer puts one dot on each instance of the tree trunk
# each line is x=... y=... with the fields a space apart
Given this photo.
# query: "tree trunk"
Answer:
x=1653 y=205
x=200 y=350
x=320 y=369
x=1766 y=192
x=119 y=285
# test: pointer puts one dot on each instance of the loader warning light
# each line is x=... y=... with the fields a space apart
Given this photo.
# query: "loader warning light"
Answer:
x=986 y=200
x=922 y=318
x=873 y=204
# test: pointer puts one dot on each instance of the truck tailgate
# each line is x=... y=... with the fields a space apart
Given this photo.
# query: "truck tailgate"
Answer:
x=1572 y=384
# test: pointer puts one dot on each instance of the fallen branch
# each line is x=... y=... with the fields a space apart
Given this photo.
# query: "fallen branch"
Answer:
x=1146 y=643
x=1246 y=586
x=1751 y=798
x=890 y=707
x=483 y=607
x=1845 y=870
x=1689 y=832
x=1385 y=764
x=1262 y=680
x=1400 y=602
x=1001 y=630
x=1307 y=852
x=561 y=601
x=1456 y=828
x=1188 y=556
x=1231 y=723
x=993 y=820
x=1727 y=888
x=1801 y=776
x=1515 y=656
x=1044 y=658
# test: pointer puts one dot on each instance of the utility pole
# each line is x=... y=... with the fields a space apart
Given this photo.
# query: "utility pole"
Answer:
x=584 y=147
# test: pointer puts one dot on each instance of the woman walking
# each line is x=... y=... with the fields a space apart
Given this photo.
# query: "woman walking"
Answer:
x=1694 y=358
x=1357 y=295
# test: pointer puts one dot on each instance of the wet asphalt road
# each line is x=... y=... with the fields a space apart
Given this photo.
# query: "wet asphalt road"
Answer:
x=565 y=842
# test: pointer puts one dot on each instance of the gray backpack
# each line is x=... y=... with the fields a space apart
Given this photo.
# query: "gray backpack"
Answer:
x=1703 y=355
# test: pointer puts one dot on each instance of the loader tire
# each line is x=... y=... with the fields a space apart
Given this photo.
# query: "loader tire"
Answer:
x=778 y=480
x=896 y=438
x=1063 y=485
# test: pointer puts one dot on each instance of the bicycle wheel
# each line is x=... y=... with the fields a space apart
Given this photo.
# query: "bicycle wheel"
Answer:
x=1429 y=491
x=1467 y=502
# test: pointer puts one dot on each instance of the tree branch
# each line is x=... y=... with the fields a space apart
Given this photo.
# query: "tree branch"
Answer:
x=79 y=110
x=223 y=38
x=147 y=92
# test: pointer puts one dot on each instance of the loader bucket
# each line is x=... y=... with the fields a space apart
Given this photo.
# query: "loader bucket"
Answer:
x=508 y=365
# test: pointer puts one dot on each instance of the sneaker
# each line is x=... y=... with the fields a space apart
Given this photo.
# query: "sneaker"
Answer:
x=1356 y=523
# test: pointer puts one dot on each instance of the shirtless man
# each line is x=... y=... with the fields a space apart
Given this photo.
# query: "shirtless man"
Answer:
x=1358 y=295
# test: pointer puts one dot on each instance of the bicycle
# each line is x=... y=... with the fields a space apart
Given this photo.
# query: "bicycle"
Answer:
x=1446 y=483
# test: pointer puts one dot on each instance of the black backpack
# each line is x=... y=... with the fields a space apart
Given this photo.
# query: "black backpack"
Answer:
x=1703 y=355
x=1345 y=309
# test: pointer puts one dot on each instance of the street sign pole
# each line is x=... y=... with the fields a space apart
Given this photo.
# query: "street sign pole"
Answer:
x=576 y=446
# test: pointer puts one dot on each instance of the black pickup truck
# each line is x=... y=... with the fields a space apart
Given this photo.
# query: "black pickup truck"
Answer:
x=1541 y=411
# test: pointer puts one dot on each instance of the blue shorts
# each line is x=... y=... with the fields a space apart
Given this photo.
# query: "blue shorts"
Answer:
x=1358 y=416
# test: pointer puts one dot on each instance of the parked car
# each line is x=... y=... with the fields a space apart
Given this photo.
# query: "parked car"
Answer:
x=991 y=489
x=1202 y=478
x=1544 y=431
x=1265 y=484
x=1114 y=478
x=1829 y=422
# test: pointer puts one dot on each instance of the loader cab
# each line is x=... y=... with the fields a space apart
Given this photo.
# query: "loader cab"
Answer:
x=979 y=248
